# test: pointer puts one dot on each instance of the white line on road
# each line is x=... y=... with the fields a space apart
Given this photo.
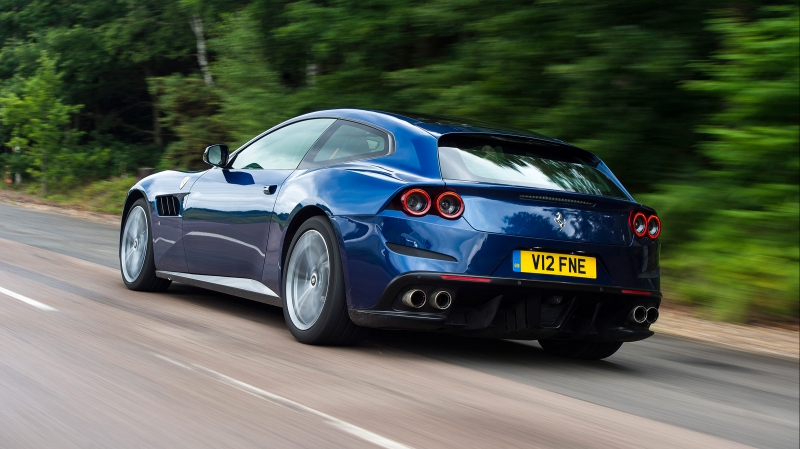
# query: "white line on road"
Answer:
x=354 y=430
x=27 y=300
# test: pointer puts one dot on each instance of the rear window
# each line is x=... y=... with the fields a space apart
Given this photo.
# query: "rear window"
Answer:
x=519 y=162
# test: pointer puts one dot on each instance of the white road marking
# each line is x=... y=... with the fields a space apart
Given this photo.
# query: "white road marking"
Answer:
x=27 y=300
x=354 y=430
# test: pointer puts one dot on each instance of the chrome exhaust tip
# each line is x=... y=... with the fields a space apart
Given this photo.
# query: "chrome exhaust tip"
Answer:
x=442 y=300
x=638 y=315
x=414 y=298
x=652 y=315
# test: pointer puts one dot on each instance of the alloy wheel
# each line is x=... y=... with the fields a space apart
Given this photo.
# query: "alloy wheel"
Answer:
x=134 y=244
x=308 y=279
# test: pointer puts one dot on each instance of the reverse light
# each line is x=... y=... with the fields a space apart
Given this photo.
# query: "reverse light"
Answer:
x=449 y=205
x=416 y=202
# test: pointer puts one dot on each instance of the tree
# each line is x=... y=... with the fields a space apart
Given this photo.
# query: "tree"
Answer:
x=736 y=227
x=39 y=119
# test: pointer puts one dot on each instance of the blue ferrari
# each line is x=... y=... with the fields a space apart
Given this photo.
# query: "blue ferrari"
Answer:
x=353 y=219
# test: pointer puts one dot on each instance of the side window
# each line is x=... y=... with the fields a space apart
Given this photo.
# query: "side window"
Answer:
x=347 y=141
x=282 y=149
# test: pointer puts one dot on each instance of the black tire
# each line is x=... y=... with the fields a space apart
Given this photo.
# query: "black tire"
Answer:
x=146 y=281
x=333 y=327
x=576 y=349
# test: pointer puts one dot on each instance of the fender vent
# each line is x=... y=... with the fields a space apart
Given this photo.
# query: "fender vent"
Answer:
x=555 y=199
x=168 y=206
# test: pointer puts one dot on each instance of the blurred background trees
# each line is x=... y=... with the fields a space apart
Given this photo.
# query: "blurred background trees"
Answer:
x=694 y=105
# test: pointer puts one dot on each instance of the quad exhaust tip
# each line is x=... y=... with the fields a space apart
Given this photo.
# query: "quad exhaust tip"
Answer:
x=652 y=315
x=638 y=314
x=441 y=300
x=414 y=298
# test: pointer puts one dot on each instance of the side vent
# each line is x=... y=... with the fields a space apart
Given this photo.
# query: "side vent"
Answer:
x=168 y=205
x=555 y=199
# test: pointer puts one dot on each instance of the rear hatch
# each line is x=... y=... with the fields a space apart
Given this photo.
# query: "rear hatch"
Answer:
x=533 y=188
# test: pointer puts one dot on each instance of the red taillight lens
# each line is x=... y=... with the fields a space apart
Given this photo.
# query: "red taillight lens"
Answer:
x=653 y=227
x=643 y=225
x=638 y=224
x=416 y=202
x=449 y=205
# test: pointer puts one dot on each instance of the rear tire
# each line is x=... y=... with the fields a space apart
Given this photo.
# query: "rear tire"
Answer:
x=314 y=300
x=576 y=349
x=137 y=265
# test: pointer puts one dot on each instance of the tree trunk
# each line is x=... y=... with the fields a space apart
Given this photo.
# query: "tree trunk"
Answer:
x=197 y=26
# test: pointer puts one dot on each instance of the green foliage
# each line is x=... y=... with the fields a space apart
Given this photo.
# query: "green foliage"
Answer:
x=252 y=97
x=37 y=118
x=737 y=226
x=190 y=107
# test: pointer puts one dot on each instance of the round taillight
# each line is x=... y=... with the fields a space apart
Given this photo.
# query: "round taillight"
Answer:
x=449 y=205
x=416 y=202
x=653 y=227
x=639 y=224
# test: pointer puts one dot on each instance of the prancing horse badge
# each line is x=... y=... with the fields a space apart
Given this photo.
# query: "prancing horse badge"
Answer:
x=560 y=220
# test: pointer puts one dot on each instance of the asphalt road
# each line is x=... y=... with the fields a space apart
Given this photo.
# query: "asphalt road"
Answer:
x=86 y=363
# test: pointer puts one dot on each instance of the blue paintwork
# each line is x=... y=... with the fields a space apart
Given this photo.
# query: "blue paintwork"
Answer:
x=229 y=227
x=226 y=221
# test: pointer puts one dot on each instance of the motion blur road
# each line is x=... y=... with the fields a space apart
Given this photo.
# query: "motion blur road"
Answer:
x=86 y=363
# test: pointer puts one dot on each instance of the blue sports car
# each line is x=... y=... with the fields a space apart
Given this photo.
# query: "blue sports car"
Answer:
x=353 y=219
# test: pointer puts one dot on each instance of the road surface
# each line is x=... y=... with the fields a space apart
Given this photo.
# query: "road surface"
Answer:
x=84 y=362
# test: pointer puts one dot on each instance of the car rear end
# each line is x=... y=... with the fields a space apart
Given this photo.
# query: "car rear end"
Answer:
x=535 y=239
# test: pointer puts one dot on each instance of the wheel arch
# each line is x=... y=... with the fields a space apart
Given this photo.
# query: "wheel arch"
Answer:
x=299 y=217
x=133 y=196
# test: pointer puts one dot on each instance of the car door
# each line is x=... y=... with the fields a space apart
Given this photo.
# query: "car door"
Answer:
x=228 y=211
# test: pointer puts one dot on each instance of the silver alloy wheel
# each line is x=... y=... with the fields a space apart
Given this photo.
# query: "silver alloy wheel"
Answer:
x=133 y=248
x=307 y=279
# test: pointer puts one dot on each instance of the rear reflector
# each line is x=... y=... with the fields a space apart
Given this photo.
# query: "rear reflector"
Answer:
x=636 y=292
x=447 y=277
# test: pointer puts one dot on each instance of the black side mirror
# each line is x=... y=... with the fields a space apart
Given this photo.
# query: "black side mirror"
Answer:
x=216 y=155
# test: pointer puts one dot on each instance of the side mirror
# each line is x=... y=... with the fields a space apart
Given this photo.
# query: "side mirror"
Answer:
x=216 y=155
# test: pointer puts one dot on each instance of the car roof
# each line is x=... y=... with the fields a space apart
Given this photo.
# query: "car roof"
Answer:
x=441 y=125
x=437 y=124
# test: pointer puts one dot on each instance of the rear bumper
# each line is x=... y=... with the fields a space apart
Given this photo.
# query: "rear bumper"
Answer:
x=513 y=308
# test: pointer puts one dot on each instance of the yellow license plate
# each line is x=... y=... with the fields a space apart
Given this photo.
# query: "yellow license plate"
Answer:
x=555 y=264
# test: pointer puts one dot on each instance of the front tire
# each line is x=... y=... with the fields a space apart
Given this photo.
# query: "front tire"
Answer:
x=314 y=301
x=576 y=349
x=136 y=261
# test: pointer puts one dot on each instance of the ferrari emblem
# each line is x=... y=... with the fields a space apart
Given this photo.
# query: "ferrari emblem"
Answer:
x=560 y=220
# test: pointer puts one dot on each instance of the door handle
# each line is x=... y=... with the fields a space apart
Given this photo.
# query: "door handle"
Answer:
x=269 y=190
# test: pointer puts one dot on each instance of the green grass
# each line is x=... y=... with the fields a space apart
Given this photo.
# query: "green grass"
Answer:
x=107 y=196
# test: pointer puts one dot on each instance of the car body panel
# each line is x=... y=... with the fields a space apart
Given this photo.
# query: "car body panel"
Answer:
x=476 y=253
x=532 y=212
x=226 y=221
x=168 y=250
